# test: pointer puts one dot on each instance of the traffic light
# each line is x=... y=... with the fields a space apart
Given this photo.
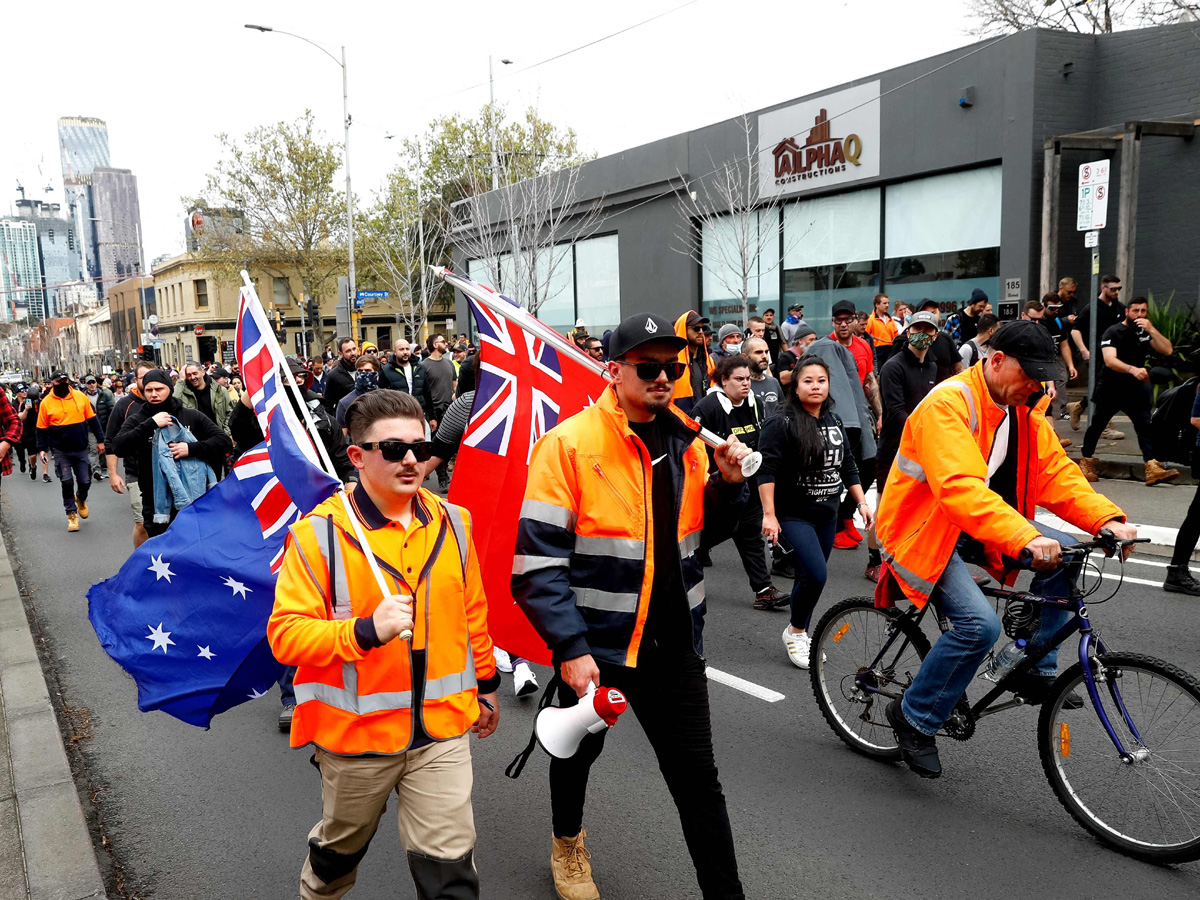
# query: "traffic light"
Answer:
x=313 y=311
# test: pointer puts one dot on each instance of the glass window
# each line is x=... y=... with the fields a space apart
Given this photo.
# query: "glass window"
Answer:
x=722 y=245
x=279 y=290
x=598 y=283
x=942 y=237
x=830 y=253
x=201 y=293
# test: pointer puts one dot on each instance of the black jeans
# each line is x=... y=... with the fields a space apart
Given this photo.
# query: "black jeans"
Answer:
x=746 y=532
x=1189 y=531
x=669 y=696
x=1135 y=402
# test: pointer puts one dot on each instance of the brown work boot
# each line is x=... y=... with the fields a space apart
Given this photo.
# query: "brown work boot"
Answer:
x=1075 y=410
x=72 y=521
x=571 y=869
x=1066 y=442
x=1087 y=465
x=1111 y=434
x=82 y=504
x=1156 y=473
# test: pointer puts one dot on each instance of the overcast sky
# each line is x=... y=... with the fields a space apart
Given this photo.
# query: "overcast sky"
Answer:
x=167 y=79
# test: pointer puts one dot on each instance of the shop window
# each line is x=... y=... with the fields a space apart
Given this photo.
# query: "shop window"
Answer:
x=722 y=245
x=598 y=284
x=201 y=293
x=383 y=337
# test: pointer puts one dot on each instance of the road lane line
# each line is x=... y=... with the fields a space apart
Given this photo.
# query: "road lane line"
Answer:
x=741 y=684
x=1131 y=580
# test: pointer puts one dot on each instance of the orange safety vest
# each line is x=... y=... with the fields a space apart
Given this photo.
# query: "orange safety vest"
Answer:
x=683 y=386
x=352 y=701
x=937 y=487
x=882 y=331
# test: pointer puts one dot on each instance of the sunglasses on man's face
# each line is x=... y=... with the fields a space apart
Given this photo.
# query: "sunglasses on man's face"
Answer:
x=649 y=371
x=396 y=451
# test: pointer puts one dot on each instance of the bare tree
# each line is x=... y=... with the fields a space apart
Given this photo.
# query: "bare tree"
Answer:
x=996 y=17
x=741 y=224
x=524 y=233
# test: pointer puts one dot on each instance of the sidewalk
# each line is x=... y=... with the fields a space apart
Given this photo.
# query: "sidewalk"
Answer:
x=46 y=849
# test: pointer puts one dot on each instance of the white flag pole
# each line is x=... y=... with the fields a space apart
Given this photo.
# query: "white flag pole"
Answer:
x=278 y=360
x=530 y=323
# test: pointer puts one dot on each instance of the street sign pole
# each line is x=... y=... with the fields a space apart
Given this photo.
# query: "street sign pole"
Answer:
x=1093 y=349
x=1091 y=216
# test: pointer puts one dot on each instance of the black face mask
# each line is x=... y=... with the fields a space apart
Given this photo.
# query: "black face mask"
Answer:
x=62 y=390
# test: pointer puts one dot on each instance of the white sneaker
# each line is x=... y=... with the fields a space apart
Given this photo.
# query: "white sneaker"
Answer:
x=503 y=662
x=798 y=646
x=524 y=681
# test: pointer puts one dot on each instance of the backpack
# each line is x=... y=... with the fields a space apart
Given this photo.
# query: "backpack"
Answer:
x=974 y=353
x=1171 y=431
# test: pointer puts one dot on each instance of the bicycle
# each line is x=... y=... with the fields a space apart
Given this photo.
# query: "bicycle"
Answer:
x=1127 y=768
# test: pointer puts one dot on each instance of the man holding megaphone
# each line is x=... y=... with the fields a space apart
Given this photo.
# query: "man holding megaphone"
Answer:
x=389 y=682
x=606 y=570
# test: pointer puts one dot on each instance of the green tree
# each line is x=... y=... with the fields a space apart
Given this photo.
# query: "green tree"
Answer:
x=281 y=179
x=995 y=17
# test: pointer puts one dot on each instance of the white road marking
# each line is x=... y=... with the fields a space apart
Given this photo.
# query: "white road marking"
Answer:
x=1131 y=580
x=741 y=684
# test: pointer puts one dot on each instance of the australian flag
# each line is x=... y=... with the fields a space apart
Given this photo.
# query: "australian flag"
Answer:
x=186 y=616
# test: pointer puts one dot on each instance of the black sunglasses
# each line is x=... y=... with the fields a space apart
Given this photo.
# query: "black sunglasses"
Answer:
x=396 y=451
x=649 y=371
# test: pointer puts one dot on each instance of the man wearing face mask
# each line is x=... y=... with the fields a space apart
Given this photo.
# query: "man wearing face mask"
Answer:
x=65 y=419
x=366 y=379
x=904 y=381
x=729 y=343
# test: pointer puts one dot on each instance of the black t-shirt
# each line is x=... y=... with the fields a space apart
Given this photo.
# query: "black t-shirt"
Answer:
x=774 y=340
x=1107 y=315
x=1132 y=345
x=785 y=362
x=942 y=352
x=1057 y=326
x=669 y=621
x=204 y=401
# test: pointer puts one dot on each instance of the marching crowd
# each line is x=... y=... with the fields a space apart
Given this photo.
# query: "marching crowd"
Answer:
x=618 y=604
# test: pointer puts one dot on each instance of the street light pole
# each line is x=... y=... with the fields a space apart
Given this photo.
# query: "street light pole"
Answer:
x=492 y=115
x=345 y=156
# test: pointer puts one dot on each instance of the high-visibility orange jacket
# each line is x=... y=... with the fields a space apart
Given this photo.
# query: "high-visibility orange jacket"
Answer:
x=584 y=563
x=683 y=387
x=63 y=423
x=937 y=487
x=350 y=699
x=882 y=331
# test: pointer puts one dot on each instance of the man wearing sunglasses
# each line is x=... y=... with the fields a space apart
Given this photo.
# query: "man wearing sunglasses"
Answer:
x=606 y=570
x=386 y=712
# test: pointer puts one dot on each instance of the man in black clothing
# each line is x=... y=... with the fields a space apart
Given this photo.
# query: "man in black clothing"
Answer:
x=945 y=355
x=772 y=334
x=129 y=403
x=1125 y=386
x=403 y=374
x=440 y=381
x=466 y=371
x=1109 y=311
x=1058 y=323
x=785 y=363
x=904 y=381
x=964 y=323
x=339 y=380
x=730 y=408
x=137 y=434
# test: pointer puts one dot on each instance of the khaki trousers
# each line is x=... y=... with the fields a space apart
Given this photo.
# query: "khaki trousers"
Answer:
x=435 y=815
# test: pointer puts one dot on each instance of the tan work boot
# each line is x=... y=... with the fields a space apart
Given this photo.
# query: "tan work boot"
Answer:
x=1087 y=465
x=83 y=510
x=1156 y=473
x=1066 y=442
x=1111 y=434
x=72 y=521
x=1075 y=410
x=571 y=869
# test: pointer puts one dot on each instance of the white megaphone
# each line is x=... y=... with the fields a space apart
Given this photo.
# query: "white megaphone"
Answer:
x=560 y=729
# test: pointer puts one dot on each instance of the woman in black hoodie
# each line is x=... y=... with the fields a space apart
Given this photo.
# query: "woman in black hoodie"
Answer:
x=136 y=439
x=806 y=463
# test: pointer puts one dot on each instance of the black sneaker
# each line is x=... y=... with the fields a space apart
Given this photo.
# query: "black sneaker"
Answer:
x=33 y=473
x=1180 y=581
x=770 y=598
x=22 y=465
x=1034 y=689
x=285 y=717
x=704 y=559
x=917 y=749
x=783 y=567
x=46 y=477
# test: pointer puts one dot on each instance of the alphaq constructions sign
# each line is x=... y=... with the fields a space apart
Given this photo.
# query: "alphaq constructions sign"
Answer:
x=819 y=143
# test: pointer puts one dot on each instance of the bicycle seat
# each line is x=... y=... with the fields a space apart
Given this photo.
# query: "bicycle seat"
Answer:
x=983 y=580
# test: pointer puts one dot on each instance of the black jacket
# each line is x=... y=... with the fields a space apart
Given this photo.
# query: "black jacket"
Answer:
x=243 y=426
x=105 y=401
x=136 y=439
x=903 y=383
x=392 y=376
x=338 y=383
x=799 y=488
x=126 y=406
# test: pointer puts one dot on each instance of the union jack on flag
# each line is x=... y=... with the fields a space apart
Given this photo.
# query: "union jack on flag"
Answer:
x=526 y=386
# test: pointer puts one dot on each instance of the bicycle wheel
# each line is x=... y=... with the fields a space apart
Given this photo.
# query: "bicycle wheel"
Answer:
x=852 y=683
x=1147 y=808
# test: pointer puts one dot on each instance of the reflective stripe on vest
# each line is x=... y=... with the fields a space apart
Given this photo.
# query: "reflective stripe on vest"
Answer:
x=913 y=579
x=616 y=548
x=696 y=595
x=689 y=545
x=340 y=599
x=548 y=514
x=605 y=600
x=909 y=467
x=523 y=564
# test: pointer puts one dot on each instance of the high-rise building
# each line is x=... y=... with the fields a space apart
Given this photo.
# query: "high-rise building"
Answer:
x=20 y=270
x=58 y=252
x=83 y=147
x=118 y=222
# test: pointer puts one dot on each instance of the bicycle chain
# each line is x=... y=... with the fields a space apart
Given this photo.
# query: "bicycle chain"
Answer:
x=961 y=724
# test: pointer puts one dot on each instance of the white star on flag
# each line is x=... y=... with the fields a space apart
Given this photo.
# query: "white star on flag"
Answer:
x=255 y=693
x=160 y=568
x=161 y=638
x=205 y=652
x=237 y=586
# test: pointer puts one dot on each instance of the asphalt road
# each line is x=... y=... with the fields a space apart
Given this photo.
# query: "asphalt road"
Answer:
x=224 y=813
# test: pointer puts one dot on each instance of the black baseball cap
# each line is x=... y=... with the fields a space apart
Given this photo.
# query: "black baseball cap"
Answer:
x=844 y=306
x=58 y=374
x=694 y=318
x=295 y=366
x=645 y=328
x=1031 y=345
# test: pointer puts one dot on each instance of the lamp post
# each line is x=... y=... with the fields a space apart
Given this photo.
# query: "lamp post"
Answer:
x=345 y=157
x=492 y=114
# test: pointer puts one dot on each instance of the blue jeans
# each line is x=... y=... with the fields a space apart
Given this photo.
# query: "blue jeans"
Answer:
x=811 y=540
x=975 y=628
x=287 y=688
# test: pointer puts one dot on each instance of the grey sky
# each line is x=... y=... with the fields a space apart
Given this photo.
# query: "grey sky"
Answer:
x=167 y=78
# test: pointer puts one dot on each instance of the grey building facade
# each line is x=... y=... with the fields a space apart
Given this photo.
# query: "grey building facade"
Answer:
x=922 y=181
x=114 y=197
x=58 y=254
x=83 y=147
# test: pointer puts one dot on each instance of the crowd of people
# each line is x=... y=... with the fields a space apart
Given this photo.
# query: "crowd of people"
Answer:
x=832 y=414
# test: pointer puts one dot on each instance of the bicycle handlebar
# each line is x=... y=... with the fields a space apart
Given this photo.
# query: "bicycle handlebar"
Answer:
x=1105 y=541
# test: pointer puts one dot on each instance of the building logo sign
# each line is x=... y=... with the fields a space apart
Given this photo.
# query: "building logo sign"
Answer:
x=821 y=142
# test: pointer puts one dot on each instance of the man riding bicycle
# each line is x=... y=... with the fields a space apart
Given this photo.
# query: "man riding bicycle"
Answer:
x=976 y=458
